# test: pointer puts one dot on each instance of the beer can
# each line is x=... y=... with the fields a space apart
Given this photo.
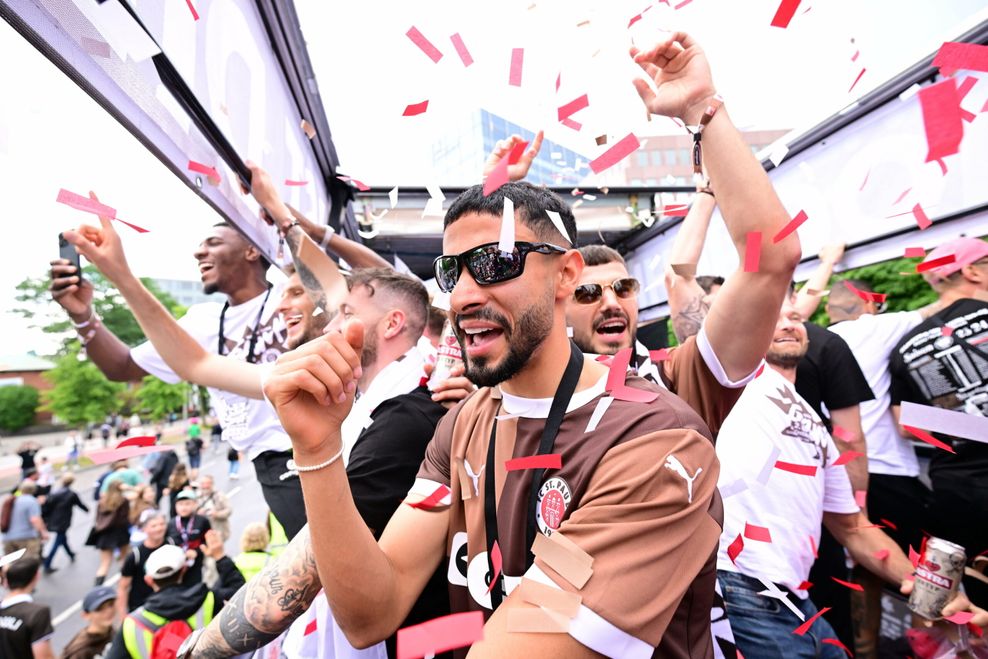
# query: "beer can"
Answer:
x=448 y=355
x=938 y=576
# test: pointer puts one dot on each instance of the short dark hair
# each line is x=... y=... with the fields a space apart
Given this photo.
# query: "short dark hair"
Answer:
x=707 y=282
x=600 y=255
x=409 y=290
x=437 y=318
x=531 y=203
x=21 y=572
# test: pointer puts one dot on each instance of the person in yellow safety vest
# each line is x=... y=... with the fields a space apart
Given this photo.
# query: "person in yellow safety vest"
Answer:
x=254 y=554
x=279 y=539
x=174 y=601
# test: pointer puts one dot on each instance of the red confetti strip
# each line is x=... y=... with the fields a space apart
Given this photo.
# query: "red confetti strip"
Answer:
x=633 y=395
x=813 y=547
x=200 y=168
x=960 y=618
x=104 y=456
x=433 y=499
x=834 y=641
x=294 y=183
x=619 y=369
x=569 y=123
x=440 y=635
x=634 y=19
x=311 y=627
x=461 y=49
x=498 y=176
x=865 y=295
x=659 y=355
x=856 y=80
x=854 y=57
x=928 y=438
x=902 y=196
x=682 y=4
x=847 y=584
x=147 y=440
x=415 y=109
x=802 y=470
x=865 y=181
x=621 y=150
x=968 y=56
x=792 y=226
x=860 y=497
x=806 y=585
x=752 y=251
x=85 y=204
x=882 y=554
x=843 y=434
x=195 y=14
x=915 y=253
x=943 y=166
x=496 y=563
x=946 y=331
x=559 y=78
x=735 y=548
x=760 y=533
x=517 y=60
x=360 y=185
x=132 y=226
x=889 y=524
x=517 y=151
x=847 y=456
x=941 y=119
x=805 y=627
x=784 y=14
x=572 y=107
x=548 y=461
x=424 y=44
x=936 y=263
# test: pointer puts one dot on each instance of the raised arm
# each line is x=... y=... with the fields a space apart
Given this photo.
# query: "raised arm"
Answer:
x=181 y=352
x=742 y=319
x=809 y=296
x=354 y=253
x=687 y=304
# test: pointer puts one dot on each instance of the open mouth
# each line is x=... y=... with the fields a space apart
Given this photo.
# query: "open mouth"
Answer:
x=204 y=268
x=612 y=327
x=293 y=320
x=479 y=337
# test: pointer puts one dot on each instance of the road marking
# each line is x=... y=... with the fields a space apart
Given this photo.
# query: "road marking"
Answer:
x=72 y=610
x=233 y=491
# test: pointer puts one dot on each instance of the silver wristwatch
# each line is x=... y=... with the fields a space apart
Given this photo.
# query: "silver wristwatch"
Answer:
x=185 y=649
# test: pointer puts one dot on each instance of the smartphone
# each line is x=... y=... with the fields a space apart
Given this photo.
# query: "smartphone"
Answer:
x=67 y=251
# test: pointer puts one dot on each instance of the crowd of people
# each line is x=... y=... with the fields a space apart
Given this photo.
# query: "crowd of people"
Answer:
x=585 y=495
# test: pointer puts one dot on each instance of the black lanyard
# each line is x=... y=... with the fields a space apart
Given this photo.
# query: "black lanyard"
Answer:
x=253 y=336
x=552 y=423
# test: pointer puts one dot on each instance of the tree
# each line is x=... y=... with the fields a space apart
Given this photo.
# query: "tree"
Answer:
x=158 y=398
x=80 y=392
x=18 y=404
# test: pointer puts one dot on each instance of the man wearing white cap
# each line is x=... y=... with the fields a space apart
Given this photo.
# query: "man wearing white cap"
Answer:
x=174 y=610
x=943 y=363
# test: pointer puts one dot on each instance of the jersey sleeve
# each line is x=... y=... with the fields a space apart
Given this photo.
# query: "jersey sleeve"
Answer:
x=198 y=321
x=435 y=467
x=844 y=385
x=706 y=389
x=129 y=568
x=650 y=519
x=41 y=628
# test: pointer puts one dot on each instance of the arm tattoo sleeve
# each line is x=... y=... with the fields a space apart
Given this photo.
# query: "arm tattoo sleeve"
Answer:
x=294 y=237
x=266 y=606
x=687 y=322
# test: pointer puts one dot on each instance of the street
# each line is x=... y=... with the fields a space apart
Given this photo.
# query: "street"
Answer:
x=63 y=591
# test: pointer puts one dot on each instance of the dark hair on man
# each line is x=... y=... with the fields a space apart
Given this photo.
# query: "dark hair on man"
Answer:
x=601 y=255
x=406 y=292
x=21 y=572
x=531 y=203
x=707 y=282
x=437 y=318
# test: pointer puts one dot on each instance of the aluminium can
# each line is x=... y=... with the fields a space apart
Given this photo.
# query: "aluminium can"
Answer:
x=938 y=576
x=448 y=355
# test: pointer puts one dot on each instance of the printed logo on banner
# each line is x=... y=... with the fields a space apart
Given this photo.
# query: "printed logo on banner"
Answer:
x=554 y=497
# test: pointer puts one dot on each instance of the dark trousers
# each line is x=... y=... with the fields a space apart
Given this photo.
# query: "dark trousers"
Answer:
x=959 y=513
x=284 y=497
x=825 y=592
x=61 y=540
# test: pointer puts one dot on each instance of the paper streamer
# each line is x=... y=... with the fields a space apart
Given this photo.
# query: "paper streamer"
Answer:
x=557 y=221
x=784 y=14
x=547 y=461
x=889 y=524
x=948 y=422
x=805 y=627
x=598 y=413
x=847 y=584
x=942 y=119
x=936 y=263
x=415 y=109
x=111 y=455
x=752 y=251
x=802 y=470
x=967 y=56
x=210 y=172
x=497 y=176
x=517 y=60
x=571 y=108
x=146 y=440
x=440 y=635
x=558 y=553
x=621 y=150
x=790 y=227
x=847 y=456
x=85 y=204
x=461 y=49
x=759 y=533
x=424 y=44
x=294 y=183
x=928 y=438
x=506 y=241
x=735 y=548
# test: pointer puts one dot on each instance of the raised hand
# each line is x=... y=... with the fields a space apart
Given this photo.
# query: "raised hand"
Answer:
x=519 y=170
x=678 y=67
x=262 y=187
x=312 y=387
x=102 y=247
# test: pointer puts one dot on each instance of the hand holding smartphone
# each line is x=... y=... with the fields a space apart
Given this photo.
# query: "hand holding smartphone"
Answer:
x=67 y=251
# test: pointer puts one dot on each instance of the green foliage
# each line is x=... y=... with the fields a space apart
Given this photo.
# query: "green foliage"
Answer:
x=80 y=392
x=905 y=292
x=17 y=407
x=157 y=398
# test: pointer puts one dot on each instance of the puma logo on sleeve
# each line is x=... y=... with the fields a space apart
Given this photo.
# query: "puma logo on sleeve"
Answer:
x=673 y=464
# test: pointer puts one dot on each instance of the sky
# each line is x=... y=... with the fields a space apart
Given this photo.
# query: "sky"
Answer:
x=53 y=136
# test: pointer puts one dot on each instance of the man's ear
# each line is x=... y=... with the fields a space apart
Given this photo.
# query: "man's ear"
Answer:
x=252 y=253
x=973 y=274
x=570 y=270
x=394 y=323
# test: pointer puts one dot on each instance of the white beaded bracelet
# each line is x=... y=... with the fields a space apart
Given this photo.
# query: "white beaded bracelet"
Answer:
x=295 y=468
x=86 y=323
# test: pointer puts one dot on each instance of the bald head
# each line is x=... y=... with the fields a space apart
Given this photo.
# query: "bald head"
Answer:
x=843 y=304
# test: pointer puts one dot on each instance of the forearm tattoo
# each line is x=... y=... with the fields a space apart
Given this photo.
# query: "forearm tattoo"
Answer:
x=267 y=605
x=294 y=237
x=688 y=321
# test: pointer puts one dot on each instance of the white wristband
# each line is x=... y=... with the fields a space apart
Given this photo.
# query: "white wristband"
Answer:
x=295 y=468
x=326 y=236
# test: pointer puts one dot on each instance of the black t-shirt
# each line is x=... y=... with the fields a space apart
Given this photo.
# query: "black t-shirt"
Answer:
x=21 y=625
x=193 y=446
x=383 y=464
x=27 y=458
x=133 y=567
x=930 y=366
x=189 y=533
x=829 y=374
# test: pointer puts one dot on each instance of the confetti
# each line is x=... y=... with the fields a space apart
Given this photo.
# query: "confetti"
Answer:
x=784 y=14
x=856 y=80
x=941 y=119
x=497 y=176
x=293 y=183
x=393 y=196
x=598 y=413
x=104 y=456
x=572 y=107
x=790 y=227
x=415 y=109
x=569 y=123
x=889 y=524
x=735 y=548
x=307 y=128
x=146 y=440
x=659 y=355
x=85 y=204
x=948 y=422
x=517 y=151
x=621 y=150
x=805 y=627
x=928 y=438
x=440 y=635
x=601 y=140
x=847 y=456
x=865 y=295
x=548 y=461
x=424 y=44
x=843 y=434
x=960 y=618
x=915 y=253
x=195 y=14
x=860 y=496
x=360 y=185
x=848 y=584
x=802 y=470
x=753 y=251
x=834 y=641
x=211 y=174
x=813 y=547
x=968 y=56
x=759 y=533
x=913 y=556
x=506 y=241
x=434 y=499
x=461 y=49
x=496 y=564
x=517 y=59
x=805 y=585
x=557 y=221
x=11 y=557
x=935 y=263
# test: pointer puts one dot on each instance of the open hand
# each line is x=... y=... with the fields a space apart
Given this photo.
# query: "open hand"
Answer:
x=262 y=187
x=678 y=67
x=213 y=545
x=518 y=170
x=102 y=247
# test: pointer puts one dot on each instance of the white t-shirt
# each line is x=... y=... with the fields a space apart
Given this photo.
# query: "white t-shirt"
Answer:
x=771 y=423
x=249 y=425
x=872 y=339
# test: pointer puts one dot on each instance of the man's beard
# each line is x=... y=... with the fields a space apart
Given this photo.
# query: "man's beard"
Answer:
x=532 y=328
x=315 y=326
x=369 y=354
x=209 y=289
x=786 y=360
x=585 y=342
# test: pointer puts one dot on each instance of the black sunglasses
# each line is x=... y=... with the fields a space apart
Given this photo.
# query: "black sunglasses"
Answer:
x=487 y=263
x=591 y=293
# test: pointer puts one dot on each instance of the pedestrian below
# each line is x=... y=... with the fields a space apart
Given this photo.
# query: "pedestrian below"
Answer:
x=187 y=529
x=216 y=436
x=161 y=472
x=104 y=431
x=132 y=590
x=98 y=610
x=112 y=529
x=136 y=428
x=178 y=481
x=121 y=472
x=58 y=518
x=26 y=452
x=142 y=501
x=123 y=428
x=214 y=506
x=26 y=529
x=254 y=554
x=233 y=458
x=73 y=447
x=25 y=627
x=46 y=477
x=193 y=446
